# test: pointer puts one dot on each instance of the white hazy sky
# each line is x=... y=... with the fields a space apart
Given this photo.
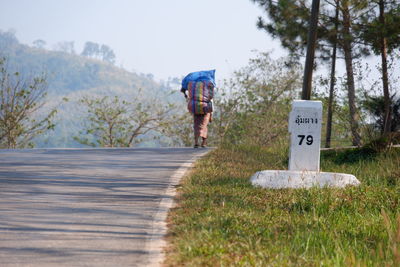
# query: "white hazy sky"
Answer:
x=166 y=38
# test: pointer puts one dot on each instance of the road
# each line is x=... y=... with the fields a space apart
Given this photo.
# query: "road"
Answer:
x=87 y=207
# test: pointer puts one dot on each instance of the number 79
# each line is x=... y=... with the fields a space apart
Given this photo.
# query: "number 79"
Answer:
x=309 y=139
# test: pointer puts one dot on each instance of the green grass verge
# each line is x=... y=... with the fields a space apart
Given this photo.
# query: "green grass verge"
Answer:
x=221 y=220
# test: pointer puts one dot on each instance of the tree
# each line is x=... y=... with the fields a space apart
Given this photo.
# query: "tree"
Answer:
x=102 y=52
x=289 y=22
x=39 y=43
x=252 y=107
x=381 y=31
x=20 y=102
x=180 y=130
x=112 y=122
x=66 y=47
x=91 y=49
x=8 y=39
x=375 y=106
x=107 y=54
x=385 y=79
x=332 y=81
x=347 y=42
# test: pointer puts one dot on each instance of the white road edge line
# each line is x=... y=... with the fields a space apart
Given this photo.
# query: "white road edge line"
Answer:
x=156 y=243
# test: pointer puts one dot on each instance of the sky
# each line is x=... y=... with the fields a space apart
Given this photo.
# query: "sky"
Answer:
x=165 y=38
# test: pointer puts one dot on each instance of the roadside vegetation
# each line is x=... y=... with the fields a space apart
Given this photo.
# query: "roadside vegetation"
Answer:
x=222 y=220
x=21 y=100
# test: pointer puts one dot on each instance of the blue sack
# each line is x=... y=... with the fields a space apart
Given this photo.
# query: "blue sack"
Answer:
x=198 y=76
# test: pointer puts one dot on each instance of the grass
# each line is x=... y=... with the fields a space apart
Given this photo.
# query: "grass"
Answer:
x=221 y=220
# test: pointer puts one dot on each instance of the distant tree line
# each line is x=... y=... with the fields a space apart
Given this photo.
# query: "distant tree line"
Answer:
x=102 y=52
x=91 y=49
x=65 y=71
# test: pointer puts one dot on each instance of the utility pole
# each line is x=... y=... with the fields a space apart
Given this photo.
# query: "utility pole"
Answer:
x=311 y=43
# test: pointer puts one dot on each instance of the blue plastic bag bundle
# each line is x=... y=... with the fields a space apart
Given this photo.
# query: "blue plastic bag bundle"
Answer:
x=201 y=90
x=205 y=75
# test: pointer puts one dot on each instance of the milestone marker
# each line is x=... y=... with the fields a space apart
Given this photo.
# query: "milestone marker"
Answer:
x=305 y=121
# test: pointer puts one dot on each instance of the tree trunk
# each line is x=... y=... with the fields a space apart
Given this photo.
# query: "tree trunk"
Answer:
x=332 y=83
x=311 y=44
x=110 y=136
x=347 y=48
x=385 y=80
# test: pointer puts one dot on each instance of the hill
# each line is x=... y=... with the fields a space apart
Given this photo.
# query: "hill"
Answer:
x=73 y=76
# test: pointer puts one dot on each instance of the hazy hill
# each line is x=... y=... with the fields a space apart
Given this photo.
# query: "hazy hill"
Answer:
x=73 y=76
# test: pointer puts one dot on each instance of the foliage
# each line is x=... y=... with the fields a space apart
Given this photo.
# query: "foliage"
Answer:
x=289 y=21
x=66 y=47
x=8 y=39
x=180 y=130
x=20 y=101
x=103 y=52
x=113 y=122
x=382 y=33
x=340 y=134
x=226 y=111
x=350 y=156
x=374 y=105
x=293 y=18
x=74 y=76
x=373 y=27
x=253 y=106
x=221 y=220
x=362 y=26
x=39 y=43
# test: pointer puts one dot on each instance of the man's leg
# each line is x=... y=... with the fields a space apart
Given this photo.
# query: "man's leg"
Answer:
x=196 y=140
x=204 y=142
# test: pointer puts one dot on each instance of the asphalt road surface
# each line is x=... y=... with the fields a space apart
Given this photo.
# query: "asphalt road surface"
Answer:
x=85 y=207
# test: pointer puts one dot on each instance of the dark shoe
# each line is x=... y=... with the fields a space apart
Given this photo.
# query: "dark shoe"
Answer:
x=204 y=142
x=196 y=146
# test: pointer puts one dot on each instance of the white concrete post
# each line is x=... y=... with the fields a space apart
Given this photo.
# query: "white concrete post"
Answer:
x=305 y=122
